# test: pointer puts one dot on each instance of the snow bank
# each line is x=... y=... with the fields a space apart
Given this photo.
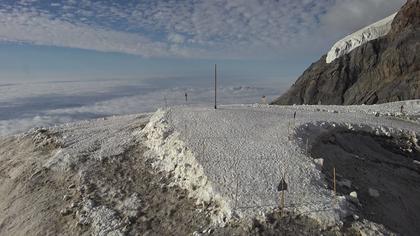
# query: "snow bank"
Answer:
x=174 y=157
x=352 y=41
x=98 y=140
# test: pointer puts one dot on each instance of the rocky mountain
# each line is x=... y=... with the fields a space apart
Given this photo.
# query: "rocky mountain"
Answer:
x=378 y=64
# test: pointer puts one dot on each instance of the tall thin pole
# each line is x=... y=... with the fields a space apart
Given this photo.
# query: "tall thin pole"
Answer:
x=334 y=185
x=215 y=86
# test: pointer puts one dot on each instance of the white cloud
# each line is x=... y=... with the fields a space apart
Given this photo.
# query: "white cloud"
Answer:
x=191 y=28
x=347 y=16
x=41 y=30
x=176 y=38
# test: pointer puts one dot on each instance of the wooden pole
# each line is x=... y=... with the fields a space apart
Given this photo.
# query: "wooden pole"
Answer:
x=236 y=190
x=282 y=203
x=215 y=86
x=282 y=195
x=335 y=189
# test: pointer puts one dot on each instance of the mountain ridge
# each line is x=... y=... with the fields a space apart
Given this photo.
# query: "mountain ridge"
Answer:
x=382 y=70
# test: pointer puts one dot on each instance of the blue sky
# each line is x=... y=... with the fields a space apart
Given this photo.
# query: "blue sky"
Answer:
x=251 y=40
x=23 y=61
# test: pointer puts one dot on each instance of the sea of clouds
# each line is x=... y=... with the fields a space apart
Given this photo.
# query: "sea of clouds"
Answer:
x=29 y=104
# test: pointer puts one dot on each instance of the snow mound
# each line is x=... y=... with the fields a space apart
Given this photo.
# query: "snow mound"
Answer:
x=98 y=140
x=173 y=156
x=358 y=38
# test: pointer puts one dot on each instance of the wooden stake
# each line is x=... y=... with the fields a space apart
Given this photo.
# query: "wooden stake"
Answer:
x=215 y=86
x=335 y=189
x=282 y=199
x=237 y=188
x=282 y=203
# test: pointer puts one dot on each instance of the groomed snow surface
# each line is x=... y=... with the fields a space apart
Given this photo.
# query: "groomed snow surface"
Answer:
x=237 y=155
x=360 y=37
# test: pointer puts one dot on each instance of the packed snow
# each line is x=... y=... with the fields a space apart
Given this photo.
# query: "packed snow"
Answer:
x=238 y=154
x=360 y=37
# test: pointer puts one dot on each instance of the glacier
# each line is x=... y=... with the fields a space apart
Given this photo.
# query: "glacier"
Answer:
x=360 y=37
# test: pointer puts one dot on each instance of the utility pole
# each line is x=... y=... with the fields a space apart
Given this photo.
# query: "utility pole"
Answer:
x=215 y=86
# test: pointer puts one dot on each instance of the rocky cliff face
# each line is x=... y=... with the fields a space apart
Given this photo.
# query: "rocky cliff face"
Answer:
x=382 y=70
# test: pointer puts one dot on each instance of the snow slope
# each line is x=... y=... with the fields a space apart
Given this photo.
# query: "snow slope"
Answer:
x=234 y=156
x=238 y=154
x=360 y=37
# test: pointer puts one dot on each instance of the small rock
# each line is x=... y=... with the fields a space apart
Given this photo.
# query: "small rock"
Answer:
x=66 y=197
x=71 y=186
x=345 y=183
x=353 y=195
x=65 y=212
x=319 y=162
x=125 y=228
x=373 y=192
x=355 y=217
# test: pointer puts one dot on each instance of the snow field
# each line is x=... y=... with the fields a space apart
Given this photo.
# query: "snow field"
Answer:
x=238 y=154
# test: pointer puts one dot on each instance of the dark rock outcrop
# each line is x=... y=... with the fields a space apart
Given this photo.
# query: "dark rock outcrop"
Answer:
x=383 y=70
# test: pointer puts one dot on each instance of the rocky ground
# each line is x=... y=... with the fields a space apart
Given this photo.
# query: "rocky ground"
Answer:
x=379 y=174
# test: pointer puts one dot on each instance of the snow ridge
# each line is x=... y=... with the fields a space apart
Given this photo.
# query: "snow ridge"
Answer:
x=358 y=38
x=173 y=156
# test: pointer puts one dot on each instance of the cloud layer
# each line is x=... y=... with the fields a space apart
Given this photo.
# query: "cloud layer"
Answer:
x=32 y=104
x=190 y=28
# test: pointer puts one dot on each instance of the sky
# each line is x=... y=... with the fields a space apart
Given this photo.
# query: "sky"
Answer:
x=254 y=39
x=70 y=60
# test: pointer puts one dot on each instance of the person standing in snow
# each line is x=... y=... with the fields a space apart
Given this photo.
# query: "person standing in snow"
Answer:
x=186 y=97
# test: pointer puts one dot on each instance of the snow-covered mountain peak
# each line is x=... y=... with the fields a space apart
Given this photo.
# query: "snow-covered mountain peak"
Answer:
x=360 y=37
